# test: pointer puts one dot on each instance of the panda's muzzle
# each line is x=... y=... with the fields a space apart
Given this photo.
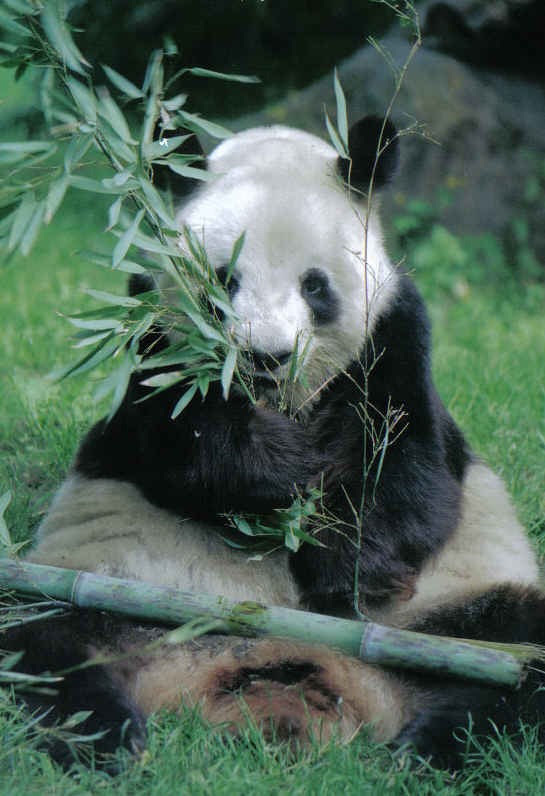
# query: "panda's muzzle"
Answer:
x=264 y=365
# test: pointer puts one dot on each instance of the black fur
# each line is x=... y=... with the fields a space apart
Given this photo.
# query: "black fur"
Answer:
x=219 y=457
x=58 y=645
x=412 y=505
x=440 y=731
x=374 y=153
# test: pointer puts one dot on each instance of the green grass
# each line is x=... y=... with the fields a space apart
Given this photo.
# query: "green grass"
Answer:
x=488 y=360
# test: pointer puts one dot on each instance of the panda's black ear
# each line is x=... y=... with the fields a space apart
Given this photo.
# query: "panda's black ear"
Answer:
x=372 y=144
x=167 y=180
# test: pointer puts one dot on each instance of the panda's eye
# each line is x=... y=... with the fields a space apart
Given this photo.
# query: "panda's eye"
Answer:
x=315 y=284
x=320 y=297
x=229 y=281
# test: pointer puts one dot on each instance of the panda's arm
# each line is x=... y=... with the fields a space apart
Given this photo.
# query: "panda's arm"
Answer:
x=390 y=500
x=216 y=457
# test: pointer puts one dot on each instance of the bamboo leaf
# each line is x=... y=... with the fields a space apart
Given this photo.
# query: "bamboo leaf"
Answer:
x=124 y=242
x=342 y=118
x=162 y=147
x=186 y=398
x=75 y=150
x=111 y=298
x=125 y=86
x=84 y=98
x=102 y=352
x=335 y=140
x=113 y=212
x=110 y=110
x=21 y=218
x=200 y=72
x=5 y=538
x=188 y=171
x=200 y=125
x=31 y=232
x=96 y=324
x=163 y=380
x=59 y=36
x=228 y=370
x=11 y=25
x=13 y=152
x=56 y=193
x=91 y=339
x=95 y=186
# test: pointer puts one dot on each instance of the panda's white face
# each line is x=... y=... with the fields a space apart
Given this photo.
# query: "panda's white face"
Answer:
x=300 y=282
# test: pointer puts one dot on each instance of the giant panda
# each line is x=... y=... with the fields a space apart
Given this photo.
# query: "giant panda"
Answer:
x=439 y=549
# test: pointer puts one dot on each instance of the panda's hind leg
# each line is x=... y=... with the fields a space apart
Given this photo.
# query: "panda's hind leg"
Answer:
x=60 y=646
x=439 y=730
x=292 y=692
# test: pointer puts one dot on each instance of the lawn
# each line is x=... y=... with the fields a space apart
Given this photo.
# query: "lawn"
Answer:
x=488 y=361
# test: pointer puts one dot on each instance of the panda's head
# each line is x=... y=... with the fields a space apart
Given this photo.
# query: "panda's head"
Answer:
x=312 y=275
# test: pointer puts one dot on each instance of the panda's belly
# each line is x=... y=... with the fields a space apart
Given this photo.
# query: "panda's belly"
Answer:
x=108 y=527
x=489 y=547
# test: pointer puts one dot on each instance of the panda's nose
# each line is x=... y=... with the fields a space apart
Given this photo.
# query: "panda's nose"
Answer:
x=269 y=362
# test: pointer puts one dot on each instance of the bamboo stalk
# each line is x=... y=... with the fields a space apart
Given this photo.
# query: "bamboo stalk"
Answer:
x=371 y=642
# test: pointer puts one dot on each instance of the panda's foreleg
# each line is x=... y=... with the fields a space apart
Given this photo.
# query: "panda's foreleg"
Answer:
x=503 y=614
x=60 y=646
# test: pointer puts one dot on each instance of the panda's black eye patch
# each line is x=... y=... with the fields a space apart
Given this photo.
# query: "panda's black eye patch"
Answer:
x=317 y=292
x=229 y=281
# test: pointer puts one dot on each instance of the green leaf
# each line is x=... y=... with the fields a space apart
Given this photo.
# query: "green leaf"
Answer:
x=13 y=152
x=84 y=98
x=110 y=110
x=228 y=370
x=55 y=195
x=243 y=525
x=342 y=119
x=200 y=125
x=31 y=232
x=90 y=339
x=96 y=324
x=59 y=36
x=335 y=140
x=186 y=398
x=124 y=242
x=163 y=380
x=111 y=298
x=21 y=219
x=118 y=381
x=188 y=171
x=10 y=24
x=103 y=351
x=75 y=150
x=5 y=538
x=125 y=86
x=113 y=212
x=95 y=186
x=162 y=147
x=175 y=103
x=200 y=72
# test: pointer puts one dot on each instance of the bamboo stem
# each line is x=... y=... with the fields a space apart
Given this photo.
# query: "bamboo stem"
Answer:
x=371 y=642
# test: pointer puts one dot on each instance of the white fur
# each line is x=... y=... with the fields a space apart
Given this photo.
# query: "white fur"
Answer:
x=279 y=187
x=489 y=547
x=108 y=527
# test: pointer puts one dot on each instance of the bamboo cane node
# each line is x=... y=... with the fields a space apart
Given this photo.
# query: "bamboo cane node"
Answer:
x=74 y=591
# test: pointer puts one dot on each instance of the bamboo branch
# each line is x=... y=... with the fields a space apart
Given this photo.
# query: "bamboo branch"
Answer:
x=368 y=641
